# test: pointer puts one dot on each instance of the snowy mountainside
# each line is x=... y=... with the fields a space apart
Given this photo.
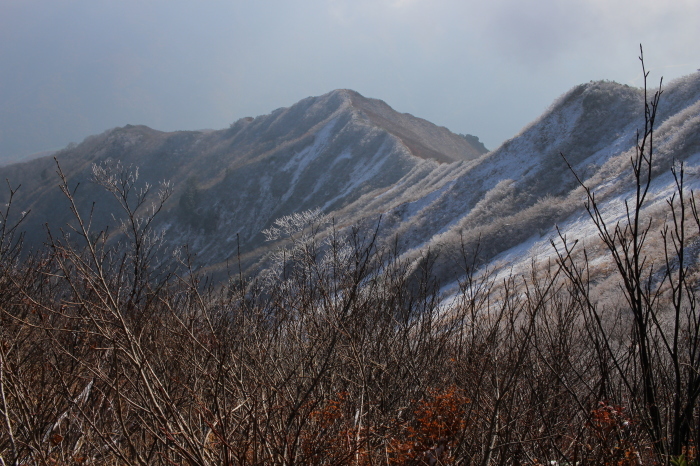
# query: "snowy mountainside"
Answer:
x=509 y=201
x=358 y=161
x=324 y=153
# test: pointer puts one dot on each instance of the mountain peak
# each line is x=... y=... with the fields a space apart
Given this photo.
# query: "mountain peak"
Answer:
x=419 y=137
x=422 y=138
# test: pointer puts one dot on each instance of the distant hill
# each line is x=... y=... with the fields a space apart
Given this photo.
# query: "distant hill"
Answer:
x=19 y=159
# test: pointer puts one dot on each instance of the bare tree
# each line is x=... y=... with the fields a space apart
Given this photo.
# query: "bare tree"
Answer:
x=659 y=368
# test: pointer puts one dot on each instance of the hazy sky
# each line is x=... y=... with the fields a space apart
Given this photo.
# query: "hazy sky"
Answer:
x=71 y=68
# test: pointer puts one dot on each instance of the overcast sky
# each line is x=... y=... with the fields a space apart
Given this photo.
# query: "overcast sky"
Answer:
x=71 y=68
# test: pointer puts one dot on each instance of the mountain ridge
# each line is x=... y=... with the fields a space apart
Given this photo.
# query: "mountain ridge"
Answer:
x=323 y=152
x=357 y=161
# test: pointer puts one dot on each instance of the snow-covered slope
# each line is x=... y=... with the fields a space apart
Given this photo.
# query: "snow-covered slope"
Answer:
x=510 y=200
x=357 y=160
x=323 y=153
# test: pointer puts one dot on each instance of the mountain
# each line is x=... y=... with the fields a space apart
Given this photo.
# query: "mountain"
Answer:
x=510 y=202
x=328 y=153
x=357 y=161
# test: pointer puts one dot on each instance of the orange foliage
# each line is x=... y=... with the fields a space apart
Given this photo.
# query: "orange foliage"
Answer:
x=327 y=438
x=610 y=429
x=429 y=436
x=436 y=430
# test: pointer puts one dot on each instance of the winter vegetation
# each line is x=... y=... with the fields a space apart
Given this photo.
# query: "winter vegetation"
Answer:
x=430 y=334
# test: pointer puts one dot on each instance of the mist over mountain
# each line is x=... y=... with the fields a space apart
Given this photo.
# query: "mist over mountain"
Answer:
x=358 y=161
